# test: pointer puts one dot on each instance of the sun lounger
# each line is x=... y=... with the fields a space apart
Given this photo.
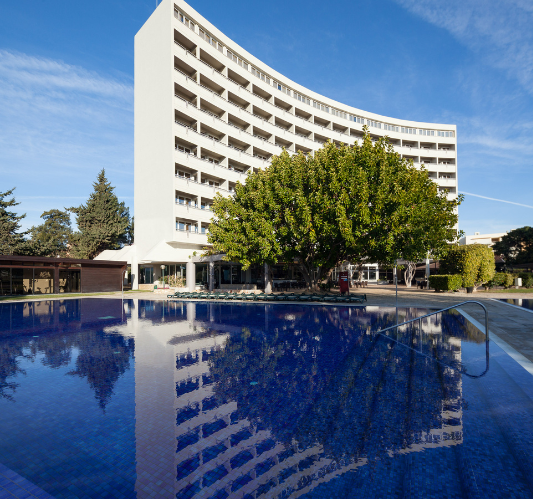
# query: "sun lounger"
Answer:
x=357 y=298
x=341 y=299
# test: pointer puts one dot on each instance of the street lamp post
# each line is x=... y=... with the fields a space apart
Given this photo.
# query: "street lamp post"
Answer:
x=163 y=273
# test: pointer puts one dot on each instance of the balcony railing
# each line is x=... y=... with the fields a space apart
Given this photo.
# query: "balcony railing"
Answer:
x=321 y=107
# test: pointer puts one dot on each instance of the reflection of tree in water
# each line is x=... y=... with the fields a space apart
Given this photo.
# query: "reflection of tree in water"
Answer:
x=10 y=355
x=102 y=359
x=331 y=382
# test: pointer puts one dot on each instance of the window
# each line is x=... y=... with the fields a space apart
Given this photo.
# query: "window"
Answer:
x=186 y=226
x=321 y=106
x=238 y=60
x=209 y=39
x=180 y=199
x=357 y=119
x=202 y=273
x=211 y=160
x=260 y=75
x=186 y=175
x=184 y=149
x=391 y=128
x=445 y=134
x=338 y=113
x=302 y=98
x=178 y=15
x=146 y=275
x=375 y=124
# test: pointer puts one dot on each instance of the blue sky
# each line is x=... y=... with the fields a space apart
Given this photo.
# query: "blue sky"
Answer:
x=66 y=86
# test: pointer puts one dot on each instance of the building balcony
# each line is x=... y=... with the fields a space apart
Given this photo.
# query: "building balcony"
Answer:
x=190 y=236
x=447 y=181
x=194 y=212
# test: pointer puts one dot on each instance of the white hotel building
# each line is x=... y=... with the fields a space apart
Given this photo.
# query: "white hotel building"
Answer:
x=206 y=113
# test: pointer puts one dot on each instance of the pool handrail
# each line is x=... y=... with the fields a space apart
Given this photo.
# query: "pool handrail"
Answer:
x=419 y=319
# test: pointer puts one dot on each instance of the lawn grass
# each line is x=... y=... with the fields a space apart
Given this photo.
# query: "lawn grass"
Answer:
x=519 y=290
x=66 y=295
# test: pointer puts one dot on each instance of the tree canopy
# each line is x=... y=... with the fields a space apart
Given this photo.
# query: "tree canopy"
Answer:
x=52 y=237
x=359 y=203
x=103 y=222
x=11 y=240
x=516 y=247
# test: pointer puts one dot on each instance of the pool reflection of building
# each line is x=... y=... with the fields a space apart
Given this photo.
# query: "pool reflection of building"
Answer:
x=212 y=450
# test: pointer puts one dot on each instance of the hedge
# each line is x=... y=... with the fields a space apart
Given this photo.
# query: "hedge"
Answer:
x=474 y=262
x=502 y=279
x=446 y=282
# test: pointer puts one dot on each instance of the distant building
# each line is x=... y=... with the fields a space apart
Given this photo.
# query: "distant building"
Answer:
x=38 y=275
x=487 y=239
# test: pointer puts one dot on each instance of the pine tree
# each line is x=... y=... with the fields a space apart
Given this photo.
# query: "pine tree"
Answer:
x=11 y=241
x=103 y=222
x=52 y=237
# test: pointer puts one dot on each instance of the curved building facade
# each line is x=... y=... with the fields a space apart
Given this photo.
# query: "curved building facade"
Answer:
x=207 y=112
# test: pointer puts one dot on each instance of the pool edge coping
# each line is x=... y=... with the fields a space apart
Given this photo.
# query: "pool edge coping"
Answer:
x=508 y=349
x=500 y=300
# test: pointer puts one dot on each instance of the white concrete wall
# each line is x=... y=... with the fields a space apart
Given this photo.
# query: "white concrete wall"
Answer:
x=156 y=108
x=154 y=171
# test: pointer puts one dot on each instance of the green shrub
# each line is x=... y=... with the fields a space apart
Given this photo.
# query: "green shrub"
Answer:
x=474 y=262
x=445 y=282
x=502 y=279
x=527 y=279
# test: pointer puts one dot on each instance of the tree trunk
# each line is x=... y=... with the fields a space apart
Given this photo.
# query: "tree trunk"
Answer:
x=409 y=273
x=307 y=275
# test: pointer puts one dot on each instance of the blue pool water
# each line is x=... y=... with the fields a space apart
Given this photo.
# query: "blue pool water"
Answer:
x=524 y=303
x=101 y=398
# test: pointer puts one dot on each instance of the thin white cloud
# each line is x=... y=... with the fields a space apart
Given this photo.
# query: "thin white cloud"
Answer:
x=499 y=31
x=29 y=71
x=494 y=199
x=60 y=124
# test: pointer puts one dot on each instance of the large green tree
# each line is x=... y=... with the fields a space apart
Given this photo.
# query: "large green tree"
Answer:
x=52 y=237
x=11 y=240
x=359 y=203
x=516 y=247
x=103 y=222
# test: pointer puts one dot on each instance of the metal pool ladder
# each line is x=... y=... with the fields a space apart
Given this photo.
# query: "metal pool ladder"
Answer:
x=419 y=319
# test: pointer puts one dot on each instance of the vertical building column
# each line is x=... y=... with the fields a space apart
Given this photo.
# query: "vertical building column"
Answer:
x=268 y=282
x=135 y=278
x=211 y=278
x=191 y=276
x=56 y=279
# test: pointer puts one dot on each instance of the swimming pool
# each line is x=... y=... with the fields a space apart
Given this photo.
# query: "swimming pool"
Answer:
x=526 y=303
x=104 y=398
